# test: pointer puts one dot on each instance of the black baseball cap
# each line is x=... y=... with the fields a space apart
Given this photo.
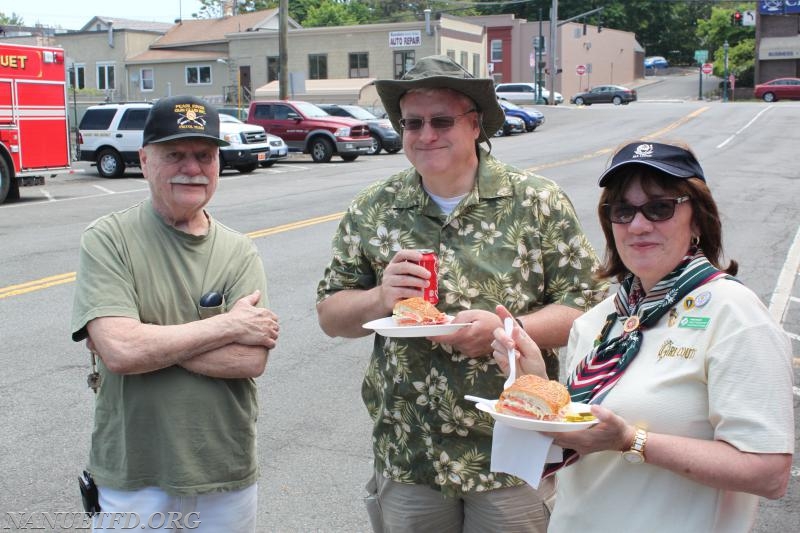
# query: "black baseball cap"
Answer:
x=673 y=160
x=182 y=117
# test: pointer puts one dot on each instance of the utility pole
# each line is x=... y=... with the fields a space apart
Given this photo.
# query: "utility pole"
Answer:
x=283 y=47
x=552 y=51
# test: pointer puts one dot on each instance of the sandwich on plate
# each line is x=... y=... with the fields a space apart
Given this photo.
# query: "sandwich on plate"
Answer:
x=417 y=312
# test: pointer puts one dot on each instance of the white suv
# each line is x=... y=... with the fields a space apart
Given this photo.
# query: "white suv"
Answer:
x=111 y=135
x=523 y=93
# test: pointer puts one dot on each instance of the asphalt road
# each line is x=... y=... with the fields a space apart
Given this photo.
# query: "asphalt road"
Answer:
x=314 y=434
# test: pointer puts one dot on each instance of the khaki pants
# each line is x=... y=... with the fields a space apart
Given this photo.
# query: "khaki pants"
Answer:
x=404 y=508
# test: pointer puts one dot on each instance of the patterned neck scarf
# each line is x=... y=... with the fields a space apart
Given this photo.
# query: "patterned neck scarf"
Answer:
x=600 y=370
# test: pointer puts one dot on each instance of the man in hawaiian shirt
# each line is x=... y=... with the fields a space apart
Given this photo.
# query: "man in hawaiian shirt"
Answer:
x=502 y=236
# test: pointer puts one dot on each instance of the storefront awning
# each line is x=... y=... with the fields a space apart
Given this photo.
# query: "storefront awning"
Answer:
x=779 y=48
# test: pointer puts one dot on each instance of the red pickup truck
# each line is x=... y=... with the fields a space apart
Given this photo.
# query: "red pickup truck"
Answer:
x=307 y=128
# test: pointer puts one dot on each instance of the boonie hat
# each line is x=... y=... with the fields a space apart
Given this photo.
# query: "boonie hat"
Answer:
x=673 y=160
x=441 y=72
x=182 y=117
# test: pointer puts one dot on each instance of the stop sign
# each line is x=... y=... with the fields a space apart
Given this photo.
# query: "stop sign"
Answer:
x=708 y=68
x=580 y=70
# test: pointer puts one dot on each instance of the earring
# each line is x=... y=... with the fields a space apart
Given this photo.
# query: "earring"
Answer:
x=695 y=240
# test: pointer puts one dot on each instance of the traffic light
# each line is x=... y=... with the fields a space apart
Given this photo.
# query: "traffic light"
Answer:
x=737 y=18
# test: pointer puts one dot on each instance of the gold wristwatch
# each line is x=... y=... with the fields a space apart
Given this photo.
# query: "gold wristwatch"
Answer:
x=636 y=453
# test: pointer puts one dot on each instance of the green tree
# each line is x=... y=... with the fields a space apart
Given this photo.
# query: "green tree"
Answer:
x=715 y=31
x=11 y=20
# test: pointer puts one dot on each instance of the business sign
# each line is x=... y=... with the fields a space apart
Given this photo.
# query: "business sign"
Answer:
x=778 y=7
x=399 y=39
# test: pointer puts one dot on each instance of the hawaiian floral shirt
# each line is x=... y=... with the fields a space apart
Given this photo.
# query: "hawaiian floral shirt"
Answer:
x=513 y=240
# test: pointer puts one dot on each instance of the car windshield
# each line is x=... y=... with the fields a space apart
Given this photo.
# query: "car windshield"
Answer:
x=360 y=113
x=310 y=110
x=510 y=105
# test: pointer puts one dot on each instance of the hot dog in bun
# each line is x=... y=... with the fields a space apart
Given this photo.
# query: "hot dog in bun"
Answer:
x=533 y=397
x=417 y=312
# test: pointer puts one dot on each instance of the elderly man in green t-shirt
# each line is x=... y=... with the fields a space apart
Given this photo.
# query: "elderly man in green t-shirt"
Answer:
x=174 y=306
x=502 y=236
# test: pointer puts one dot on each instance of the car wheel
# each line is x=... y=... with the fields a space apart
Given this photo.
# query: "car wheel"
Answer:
x=579 y=101
x=349 y=158
x=769 y=97
x=246 y=169
x=616 y=100
x=375 y=149
x=110 y=163
x=321 y=150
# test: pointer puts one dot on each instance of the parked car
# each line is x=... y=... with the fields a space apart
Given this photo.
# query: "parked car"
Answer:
x=656 y=62
x=524 y=93
x=380 y=129
x=307 y=128
x=277 y=150
x=531 y=117
x=238 y=112
x=605 y=94
x=510 y=126
x=110 y=136
x=774 y=90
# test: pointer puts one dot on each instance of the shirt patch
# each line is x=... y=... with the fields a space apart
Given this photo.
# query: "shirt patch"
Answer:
x=673 y=317
x=688 y=303
x=694 y=322
x=669 y=349
x=702 y=299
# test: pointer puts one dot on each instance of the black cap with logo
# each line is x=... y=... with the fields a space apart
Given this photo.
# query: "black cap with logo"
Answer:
x=182 y=117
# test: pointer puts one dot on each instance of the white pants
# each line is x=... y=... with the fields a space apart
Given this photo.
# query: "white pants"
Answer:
x=155 y=510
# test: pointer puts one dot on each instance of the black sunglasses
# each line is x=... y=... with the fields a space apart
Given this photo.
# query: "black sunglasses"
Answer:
x=444 y=122
x=654 y=210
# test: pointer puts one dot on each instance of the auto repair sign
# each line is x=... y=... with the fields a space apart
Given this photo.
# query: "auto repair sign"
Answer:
x=399 y=39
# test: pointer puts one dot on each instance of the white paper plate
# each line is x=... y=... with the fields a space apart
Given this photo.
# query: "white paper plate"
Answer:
x=389 y=328
x=537 y=425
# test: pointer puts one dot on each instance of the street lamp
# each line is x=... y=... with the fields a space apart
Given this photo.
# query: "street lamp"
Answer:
x=725 y=69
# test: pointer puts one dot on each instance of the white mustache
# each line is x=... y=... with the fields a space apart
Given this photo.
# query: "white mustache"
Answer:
x=189 y=180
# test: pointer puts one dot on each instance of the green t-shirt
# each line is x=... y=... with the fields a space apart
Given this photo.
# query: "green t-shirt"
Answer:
x=513 y=240
x=173 y=429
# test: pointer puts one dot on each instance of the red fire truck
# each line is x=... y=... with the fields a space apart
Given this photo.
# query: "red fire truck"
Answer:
x=34 y=131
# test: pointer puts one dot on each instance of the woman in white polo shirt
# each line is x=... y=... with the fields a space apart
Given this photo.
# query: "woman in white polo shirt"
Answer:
x=688 y=374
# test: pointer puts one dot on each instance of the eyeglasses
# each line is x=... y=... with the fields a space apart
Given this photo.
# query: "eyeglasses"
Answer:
x=654 y=210
x=444 y=122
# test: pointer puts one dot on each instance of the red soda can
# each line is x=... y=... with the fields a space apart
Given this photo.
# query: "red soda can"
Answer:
x=430 y=263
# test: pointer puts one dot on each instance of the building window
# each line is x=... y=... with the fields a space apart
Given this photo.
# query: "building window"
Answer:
x=147 y=79
x=317 y=66
x=273 y=68
x=105 y=77
x=197 y=75
x=497 y=50
x=451 y=54
x=77 y=76
x=464 y=59
x=476 y=65
x=403 y=62
x=359 y=65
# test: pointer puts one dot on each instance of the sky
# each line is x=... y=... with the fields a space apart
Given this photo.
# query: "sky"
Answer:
x=74 y=14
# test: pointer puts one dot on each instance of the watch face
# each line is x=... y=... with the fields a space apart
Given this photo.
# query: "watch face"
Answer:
x=633 y=457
